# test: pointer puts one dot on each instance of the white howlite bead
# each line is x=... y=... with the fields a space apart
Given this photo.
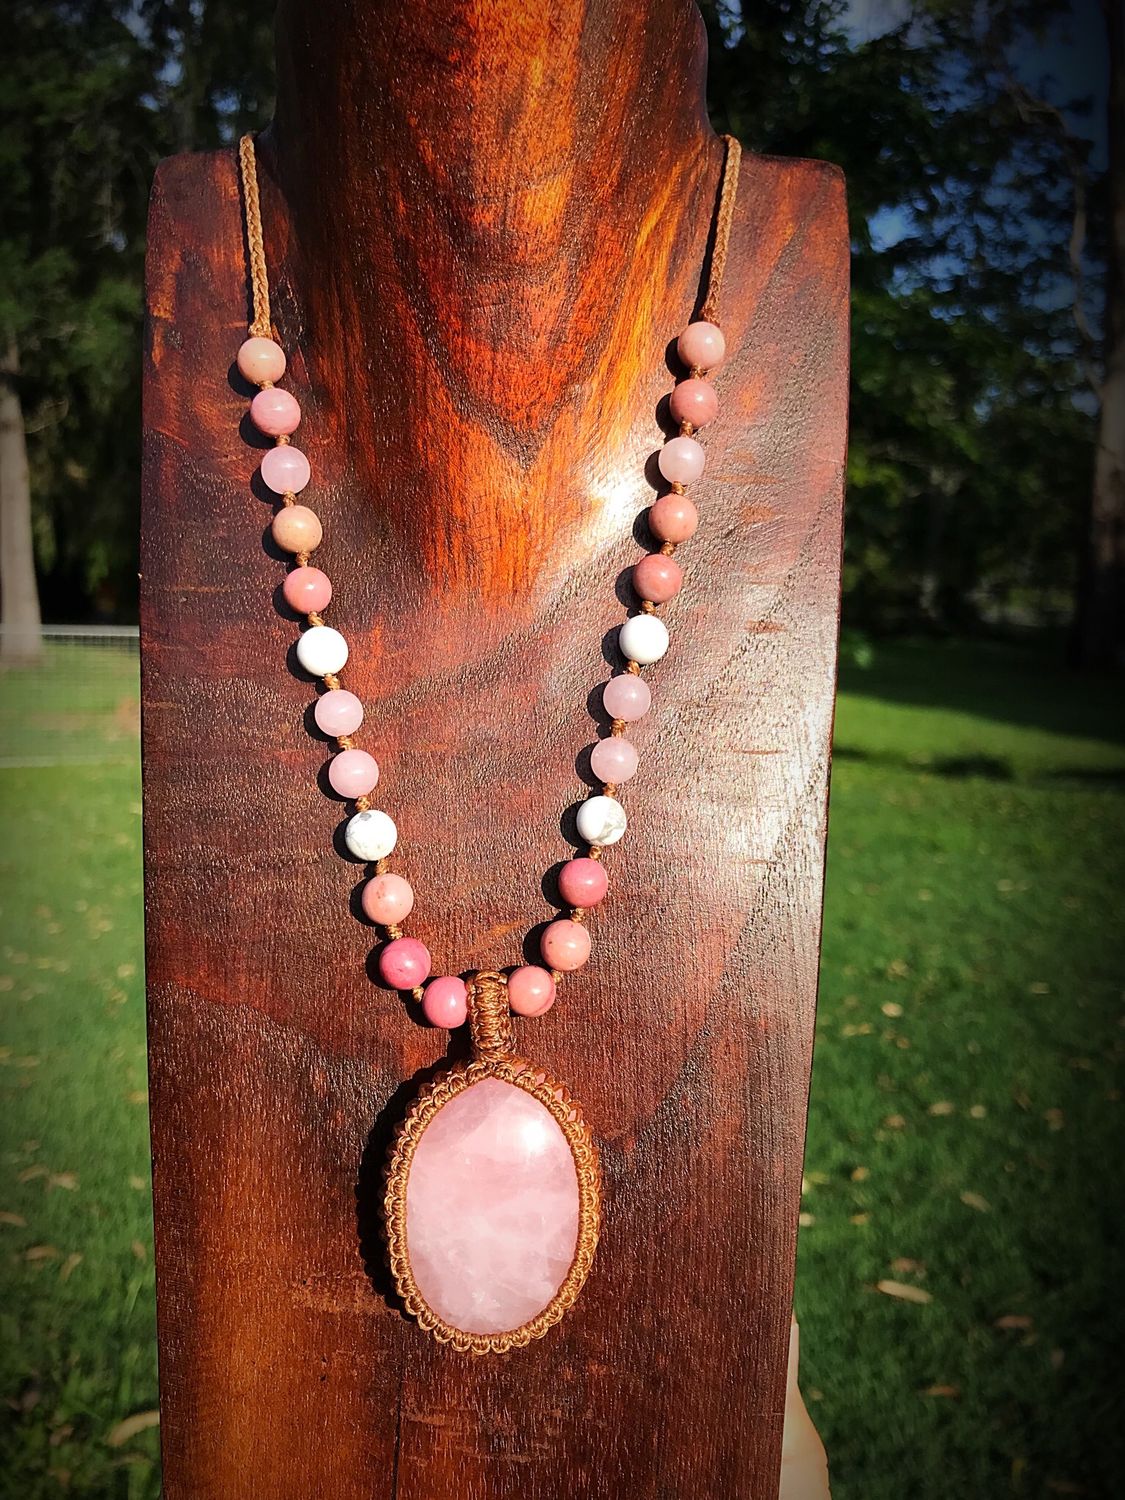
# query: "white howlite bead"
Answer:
x=643 y=638
x=321 y=649
x=601 y=820
x=371 y=835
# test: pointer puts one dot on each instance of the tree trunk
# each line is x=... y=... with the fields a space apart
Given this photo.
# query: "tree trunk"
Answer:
x=21 y=640
x=1100 y=621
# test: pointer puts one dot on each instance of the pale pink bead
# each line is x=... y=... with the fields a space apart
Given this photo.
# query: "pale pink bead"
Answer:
x=565 y=945
x=306 y=590
x=694 y=401
x=658 y=578
x=297 y=529
x=276 y=413
x=673 y=518
x=286 y=469
x=701 y=346
x=353 y=773
x=680 y=461
x=404 y=963
x=338 y=712
x=627 y=697
x=387 y=899
x=446 y=1002
x=583 y=882
x=260 y=360
x=613 y=759
x=531 y=990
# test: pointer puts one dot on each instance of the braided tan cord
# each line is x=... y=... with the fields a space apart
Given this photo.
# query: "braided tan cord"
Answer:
x=709 y=312
x=260 y=326
x=490 y=1020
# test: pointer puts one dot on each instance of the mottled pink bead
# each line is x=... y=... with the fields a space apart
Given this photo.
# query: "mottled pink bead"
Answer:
x=694 y=401
x=680 y=461
x=277 y=413
x=297 y=529
x=627 y=697
x=404 y=963
x=658 y=578
x=387 y=899
x=583 y=882
x=673 y=518
x=565 y=945
x=338 y=712
x=286 y=469
x=531 y=990
x=260 y=360
x=353 y=773
x=613 y=759
x=446 y=1002
x=701 y=346
x=307 y=589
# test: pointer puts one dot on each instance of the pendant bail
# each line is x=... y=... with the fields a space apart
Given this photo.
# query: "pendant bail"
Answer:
x=490 y=1020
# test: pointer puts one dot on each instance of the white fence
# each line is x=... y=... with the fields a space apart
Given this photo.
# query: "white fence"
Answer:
x=78 y=705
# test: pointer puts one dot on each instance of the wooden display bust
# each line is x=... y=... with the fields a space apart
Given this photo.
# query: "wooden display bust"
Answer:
x=486 y=224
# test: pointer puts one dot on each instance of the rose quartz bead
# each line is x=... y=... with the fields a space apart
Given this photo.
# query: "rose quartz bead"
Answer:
x=404 y=963
x=260 y=360
x=701 y=346
x=338 y=712
x=446 y=1002
x=531 y=990
x=306 y=590
x=613 y=759
x=297 y=529
x=277 y=413
x=583 y=882
x=286 y=471
x=387 y=899
x=680 y=461
x=627 y=697
x=658 y=578
x=353 y=773
x=673 y=518
x=565 y=945
x=692 y=401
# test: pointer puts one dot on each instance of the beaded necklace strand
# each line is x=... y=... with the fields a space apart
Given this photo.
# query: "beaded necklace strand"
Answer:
x=469 y=1285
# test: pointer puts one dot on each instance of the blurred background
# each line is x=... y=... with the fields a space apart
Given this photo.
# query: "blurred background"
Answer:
x=960 y=1267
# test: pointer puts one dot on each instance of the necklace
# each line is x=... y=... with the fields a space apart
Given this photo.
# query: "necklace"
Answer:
x=493 y=1188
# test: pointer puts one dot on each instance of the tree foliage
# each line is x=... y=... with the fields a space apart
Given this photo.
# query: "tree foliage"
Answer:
x=971 y=423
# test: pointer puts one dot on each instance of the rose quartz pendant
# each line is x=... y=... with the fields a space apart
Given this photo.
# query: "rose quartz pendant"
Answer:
x=493 y=1194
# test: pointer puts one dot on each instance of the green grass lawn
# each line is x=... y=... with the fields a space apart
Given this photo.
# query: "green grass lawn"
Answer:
x=958 y=1291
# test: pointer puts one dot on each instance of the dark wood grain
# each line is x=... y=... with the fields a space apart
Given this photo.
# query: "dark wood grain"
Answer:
x=485 y=224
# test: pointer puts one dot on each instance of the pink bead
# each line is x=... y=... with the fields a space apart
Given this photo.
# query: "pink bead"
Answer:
x=701 y=346
x=338 y=712
x=353 y=773
x=286 y=471
x=404 y=963
x=693 y=401
x=531 y=990
x=627 y=697
x=565 y=945
x=613 y=759
x=260 y=360
x=673 y=518
x=658 y=578
x=296 y=528
x=277 y=413
x=583 y=882
x=306 y=590
x=387 y=899
x=446 y=1002
x=680 y=461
